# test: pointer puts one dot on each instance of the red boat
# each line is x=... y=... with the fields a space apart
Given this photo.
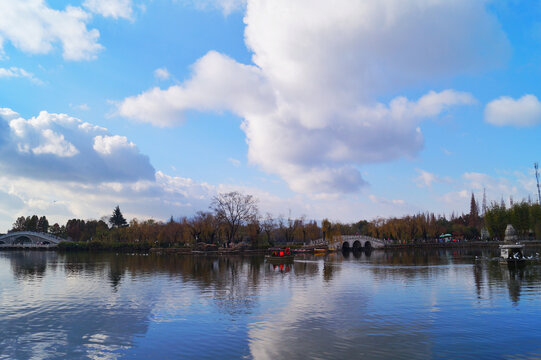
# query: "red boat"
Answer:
x=279 y=255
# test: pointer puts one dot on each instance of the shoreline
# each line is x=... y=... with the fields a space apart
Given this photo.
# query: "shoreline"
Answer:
x=130 y=248
x=449 y=245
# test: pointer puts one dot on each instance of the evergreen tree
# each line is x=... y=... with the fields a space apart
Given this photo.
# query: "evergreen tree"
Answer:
x=56 y=230
x=484 y=201
x=74 y=229
x=43 y=225
x=117 y=220
x=474 y=212
x=19 y=224
x=31 y=223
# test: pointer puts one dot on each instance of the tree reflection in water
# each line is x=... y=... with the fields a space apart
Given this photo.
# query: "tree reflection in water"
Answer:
x=99 y=304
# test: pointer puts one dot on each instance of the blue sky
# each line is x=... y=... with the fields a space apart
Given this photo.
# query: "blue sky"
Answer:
x=348 y=110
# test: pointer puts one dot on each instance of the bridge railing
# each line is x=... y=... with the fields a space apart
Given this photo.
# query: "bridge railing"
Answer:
x=360 y=237
x=26 y=246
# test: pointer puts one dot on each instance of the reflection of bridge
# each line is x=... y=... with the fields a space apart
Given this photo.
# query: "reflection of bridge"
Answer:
x=29 y=239
x=354 y=242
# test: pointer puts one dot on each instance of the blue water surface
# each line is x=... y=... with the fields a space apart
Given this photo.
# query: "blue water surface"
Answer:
x=437 y=304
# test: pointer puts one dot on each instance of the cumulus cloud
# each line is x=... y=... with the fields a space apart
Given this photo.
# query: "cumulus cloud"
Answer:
x=15 y=72
x=55 y=144
x=107 y=145
x=231 y=85
x=313 y=157
x=425 y=178
x=60 y=147
x=162 y=74
x=310 y=101
x=522 y=112
x=110 y=8
x=34 y=27
x=158 y=198
x=495 y=186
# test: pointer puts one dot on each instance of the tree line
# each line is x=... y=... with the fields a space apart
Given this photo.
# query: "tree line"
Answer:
x=481 y=223
x=234 y=217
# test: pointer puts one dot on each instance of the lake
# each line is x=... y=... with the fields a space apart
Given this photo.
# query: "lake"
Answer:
x=437 y=304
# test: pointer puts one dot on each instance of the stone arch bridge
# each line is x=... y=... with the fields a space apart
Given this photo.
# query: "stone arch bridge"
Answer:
x=29 y=239
x=357 y=242
x=354 y=242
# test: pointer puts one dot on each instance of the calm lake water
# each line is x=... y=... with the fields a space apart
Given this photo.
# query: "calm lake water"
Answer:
x=388 y=305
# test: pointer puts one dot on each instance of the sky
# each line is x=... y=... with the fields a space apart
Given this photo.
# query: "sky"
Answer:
x=345 y=109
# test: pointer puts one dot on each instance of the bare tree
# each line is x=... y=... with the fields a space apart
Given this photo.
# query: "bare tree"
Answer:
x=268 y=225
x=288 y=229
x=234 y=209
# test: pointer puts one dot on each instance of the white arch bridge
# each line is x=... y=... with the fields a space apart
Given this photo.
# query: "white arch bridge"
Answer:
x=357 y=242
x=29 y=239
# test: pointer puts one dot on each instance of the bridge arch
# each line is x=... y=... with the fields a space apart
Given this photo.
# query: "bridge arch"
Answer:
x=21 y=240
x=354 y=242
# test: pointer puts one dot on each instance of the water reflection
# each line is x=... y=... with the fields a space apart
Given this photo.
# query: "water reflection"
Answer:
x=402 y=304
x=29 y=266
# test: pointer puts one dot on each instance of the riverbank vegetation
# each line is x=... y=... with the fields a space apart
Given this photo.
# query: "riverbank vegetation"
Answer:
x=487 y=223
x=234 y=219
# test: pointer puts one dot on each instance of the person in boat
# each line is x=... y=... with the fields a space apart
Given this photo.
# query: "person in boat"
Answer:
x=280 y=252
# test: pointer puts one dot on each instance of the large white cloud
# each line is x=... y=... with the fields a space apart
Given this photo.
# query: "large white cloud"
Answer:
x=218 y=83
x=362 y=47
x=32 y=26
x=310 y=101
x=63 y=148
x=522 y=112
x=65 y=168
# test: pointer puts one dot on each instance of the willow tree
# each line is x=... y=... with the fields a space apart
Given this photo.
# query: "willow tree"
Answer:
x=496 y=220
x=233 y=210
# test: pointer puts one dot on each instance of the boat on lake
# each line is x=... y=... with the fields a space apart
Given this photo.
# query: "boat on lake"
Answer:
x=279 y=255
